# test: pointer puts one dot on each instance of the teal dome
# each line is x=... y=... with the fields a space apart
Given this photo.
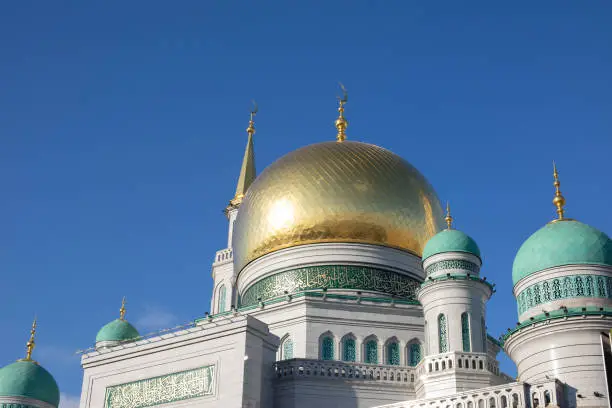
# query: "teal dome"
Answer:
x=562 y=243
x=117 y=330
x=28 y=379
x=450 y=240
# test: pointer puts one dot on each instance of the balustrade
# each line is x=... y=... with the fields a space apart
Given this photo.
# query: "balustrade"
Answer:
x=511 y=395
x=305 y=368
x=224 y=255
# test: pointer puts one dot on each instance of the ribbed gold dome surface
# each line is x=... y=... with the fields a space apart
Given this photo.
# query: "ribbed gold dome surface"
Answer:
x=336 y=192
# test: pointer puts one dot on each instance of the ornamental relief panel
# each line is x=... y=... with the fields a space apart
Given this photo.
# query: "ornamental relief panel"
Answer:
x=150 y=392
x=452 y=264
x=331 y=277
x=574 y=286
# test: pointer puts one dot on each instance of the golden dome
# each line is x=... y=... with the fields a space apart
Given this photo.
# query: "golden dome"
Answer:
x=336 y=192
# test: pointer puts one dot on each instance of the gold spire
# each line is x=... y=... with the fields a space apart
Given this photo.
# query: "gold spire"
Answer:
x=559 y=200
x=247 y=171
x=31 y=343
x=341 y=122
x=448 y=218
x=122 y=310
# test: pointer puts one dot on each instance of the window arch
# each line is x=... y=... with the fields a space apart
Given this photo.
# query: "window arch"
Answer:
x=327 y=346
x=286 y=348
x=465 y=332
x=349 y=349
x=222 y=299
x=442 y=333
x=414 y=353
x=392 y=352
x=370 y=348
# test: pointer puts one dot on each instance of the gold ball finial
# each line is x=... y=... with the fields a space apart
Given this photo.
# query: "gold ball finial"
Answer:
x=558 y=201
x=122 y=310
x=448 y=218
x=31 y=343
x=341 y=123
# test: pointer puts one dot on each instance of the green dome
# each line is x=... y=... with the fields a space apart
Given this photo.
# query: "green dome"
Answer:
x=28 y=379
x=117 y=330
x=450 y=240
x=562 y=243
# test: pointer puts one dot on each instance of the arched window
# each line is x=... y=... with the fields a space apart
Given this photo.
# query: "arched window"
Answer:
x=515 y=400
x=393 y=353
x=222 y=295
x=465 y=332
x=579 y=286
x=556 y=289
x=470 y=404
x=601 y=287
x=484 y=335
x=492 y=402
x=349 y=349
x=442 y=334
x=547 y=398
x=371 y=352
x=589 y=289
x=327 y=348
x=287 y=349
x=481 y=403
x=536 y=294
x=414 y=352
x=504 y=401
x=546 y=292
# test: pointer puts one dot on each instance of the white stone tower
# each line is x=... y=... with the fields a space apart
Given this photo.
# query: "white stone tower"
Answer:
x=454 y=298
x=563 y=285
x=224 y=289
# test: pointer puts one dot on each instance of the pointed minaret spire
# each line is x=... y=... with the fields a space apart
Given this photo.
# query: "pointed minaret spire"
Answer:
x=341 y=122
x=247 y=171
x=448 y=218
x=31 y=343
x=559 y=200
x=122 y=310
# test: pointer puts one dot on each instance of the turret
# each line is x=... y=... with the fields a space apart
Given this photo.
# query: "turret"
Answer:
x=25 y=383
x=224 y=288
x=117 y=332
x=562 y=277
x=454 y=298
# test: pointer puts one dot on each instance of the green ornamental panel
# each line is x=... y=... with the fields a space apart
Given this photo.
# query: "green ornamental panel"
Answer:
x=174 y=387
x=14 y=405
x=331 y=277
x=575 y=286
x=452 y=264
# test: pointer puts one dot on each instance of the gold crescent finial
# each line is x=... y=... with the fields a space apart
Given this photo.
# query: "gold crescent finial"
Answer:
x=341 y=122
x=122 y=310
x=448 y=218
x=31 y=343
x=559 y=200
x=251 y=128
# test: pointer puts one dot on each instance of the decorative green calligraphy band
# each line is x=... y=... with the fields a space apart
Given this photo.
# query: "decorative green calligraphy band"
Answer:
x=592 y=286
x=452 y=264
x=180 y=386
x=348 y=277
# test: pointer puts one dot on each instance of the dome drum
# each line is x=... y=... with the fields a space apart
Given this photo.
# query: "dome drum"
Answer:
x=564 y=287
x=338 y=267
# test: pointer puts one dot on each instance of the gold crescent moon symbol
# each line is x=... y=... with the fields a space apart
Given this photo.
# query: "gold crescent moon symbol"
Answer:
x=344 y=98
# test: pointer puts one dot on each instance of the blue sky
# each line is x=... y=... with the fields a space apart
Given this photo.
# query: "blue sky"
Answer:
x=122 y=129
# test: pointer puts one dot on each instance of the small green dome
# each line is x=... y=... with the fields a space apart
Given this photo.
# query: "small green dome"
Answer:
x=561 y=243
x=117 y=330
x=450 y=240
x=30 y=380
